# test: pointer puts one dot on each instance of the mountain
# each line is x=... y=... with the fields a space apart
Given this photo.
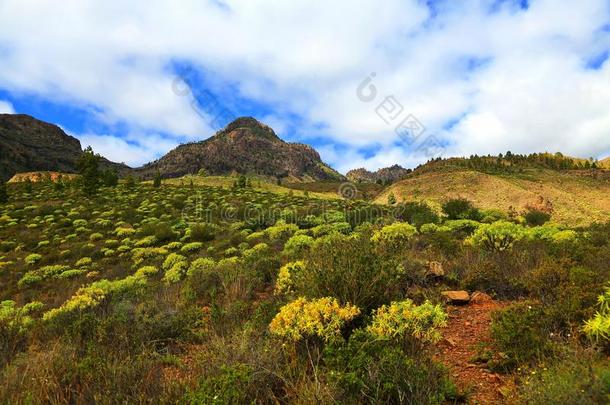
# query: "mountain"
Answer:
x=578 y=196
x=30 y=145
x=245 y=146
x=387 y=175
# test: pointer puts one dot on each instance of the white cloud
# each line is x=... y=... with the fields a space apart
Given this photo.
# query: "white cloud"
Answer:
x=134 y=151
x=6 y=107
x=516 y=79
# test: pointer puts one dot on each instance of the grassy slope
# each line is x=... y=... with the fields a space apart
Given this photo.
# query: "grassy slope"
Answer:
x=261 y=184
x=578 y=198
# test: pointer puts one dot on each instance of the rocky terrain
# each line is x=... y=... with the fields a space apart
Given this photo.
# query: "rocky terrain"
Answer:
x=387 y=175
x=244 y=146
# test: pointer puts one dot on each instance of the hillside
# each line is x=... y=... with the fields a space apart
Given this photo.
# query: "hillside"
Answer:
x=579 y=197
x=30 y=145
x=245 y=146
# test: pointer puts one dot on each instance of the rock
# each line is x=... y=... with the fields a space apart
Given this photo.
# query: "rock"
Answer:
x=456 y=297
x=435 y=269
x=480 y=298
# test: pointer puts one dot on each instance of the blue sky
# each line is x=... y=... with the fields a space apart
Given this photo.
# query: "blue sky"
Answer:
x=367 y=83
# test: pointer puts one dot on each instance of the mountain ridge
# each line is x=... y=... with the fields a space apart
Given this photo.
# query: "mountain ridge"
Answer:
x=245 y=146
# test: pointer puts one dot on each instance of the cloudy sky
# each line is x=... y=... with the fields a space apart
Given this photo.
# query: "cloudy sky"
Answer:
x=369 y=83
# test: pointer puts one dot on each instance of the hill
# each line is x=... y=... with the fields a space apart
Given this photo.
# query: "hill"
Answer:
x=385 y=175
x=31 y=145
x=579 y=197
x=245 y=146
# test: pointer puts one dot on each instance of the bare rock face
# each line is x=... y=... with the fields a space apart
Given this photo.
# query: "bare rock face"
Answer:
x=245 y=146
x=456 y=297
x=387 y=175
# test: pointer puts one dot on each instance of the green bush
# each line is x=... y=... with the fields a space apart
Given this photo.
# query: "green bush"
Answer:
x=203 y=279
x=350 y=269
x=405 y=320
x=203 y=232
x=498 y=236
x=598 y=327
x=520 y=333
x=231 y=386
x=417 y=214
x=394 y=238
x=368 y=370
x=574 y=381
x=298 y=245
x=537 y=218
x=460 y=208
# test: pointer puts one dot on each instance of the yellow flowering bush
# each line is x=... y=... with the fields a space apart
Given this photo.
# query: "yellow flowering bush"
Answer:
x=598 y=327
x=405 y=319
x=321 y=318
x=92 y=295
x=394 y=236
x=284 y=283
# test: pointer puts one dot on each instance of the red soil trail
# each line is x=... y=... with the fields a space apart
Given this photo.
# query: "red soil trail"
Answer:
x=468 y=328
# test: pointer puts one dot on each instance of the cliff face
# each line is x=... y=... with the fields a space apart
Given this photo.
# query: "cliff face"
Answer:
x=386 y=175
x=245 y=146
x=27 y=144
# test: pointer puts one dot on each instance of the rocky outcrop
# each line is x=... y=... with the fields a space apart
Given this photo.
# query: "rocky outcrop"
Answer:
x=387 y=175
x=245 y=146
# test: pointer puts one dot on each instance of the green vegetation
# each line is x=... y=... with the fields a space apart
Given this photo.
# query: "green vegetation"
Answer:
x=218 y=294
x=3 y=193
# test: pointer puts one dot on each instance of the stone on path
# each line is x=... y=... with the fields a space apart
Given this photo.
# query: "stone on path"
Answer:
x=456 y=297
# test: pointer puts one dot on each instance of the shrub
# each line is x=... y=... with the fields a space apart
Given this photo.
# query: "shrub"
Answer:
x=191 y=247
x=229 y=387
x=281 y=231
x=298 y=246
x=175 y=267
x=417 y=214
x=519 y=332
x=498 y=236
x=203 y=278
x=349 y=268
x=394 y=237
x=404 y=320
x=84 y=262
x=598 y=327
x=32 y=259
x=537 y=218
x=322 y=318
x=284 y=283
x=140 y=255
x=15 y=323
x=203 y=232
x=573 y=381
x=460 y=208
x=91 y=296
x=369 y=370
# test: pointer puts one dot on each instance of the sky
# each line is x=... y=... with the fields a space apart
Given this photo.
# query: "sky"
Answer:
x=367 y=83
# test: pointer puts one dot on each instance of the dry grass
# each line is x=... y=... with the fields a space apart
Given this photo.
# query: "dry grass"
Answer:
x=578 y=197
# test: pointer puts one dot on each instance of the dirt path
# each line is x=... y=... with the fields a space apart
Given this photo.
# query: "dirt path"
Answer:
x=468 y=327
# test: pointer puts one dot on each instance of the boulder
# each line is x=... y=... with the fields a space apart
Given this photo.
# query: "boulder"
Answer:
x=480 y=298
x=456 y=297
x=435 y=269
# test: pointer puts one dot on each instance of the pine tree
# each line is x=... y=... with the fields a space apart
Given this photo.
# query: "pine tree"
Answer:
x=110 y=178
x=88 y=167
x=3 y=193
x=157 y=180
x=391 y=199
